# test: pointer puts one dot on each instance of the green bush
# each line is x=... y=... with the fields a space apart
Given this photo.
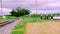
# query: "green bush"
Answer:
x=43 y=16
x=47 y=16
x=35 y=15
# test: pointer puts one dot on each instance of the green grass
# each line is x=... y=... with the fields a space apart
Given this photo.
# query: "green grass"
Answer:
x=7 y=18
x=1 y=18
x=19 y=28
x=18 y=32
x=34 y=20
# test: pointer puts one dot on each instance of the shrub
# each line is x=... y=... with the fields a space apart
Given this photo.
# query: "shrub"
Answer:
x=35 y=15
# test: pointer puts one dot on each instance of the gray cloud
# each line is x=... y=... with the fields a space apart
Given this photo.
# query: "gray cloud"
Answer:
x=29 y=4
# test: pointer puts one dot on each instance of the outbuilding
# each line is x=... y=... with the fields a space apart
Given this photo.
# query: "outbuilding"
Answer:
x=56 y=17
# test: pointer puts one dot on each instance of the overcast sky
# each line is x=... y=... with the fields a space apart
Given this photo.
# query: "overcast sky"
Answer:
x=30 y=4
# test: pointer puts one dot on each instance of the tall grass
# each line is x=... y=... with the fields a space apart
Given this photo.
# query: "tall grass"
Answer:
x=18 y=29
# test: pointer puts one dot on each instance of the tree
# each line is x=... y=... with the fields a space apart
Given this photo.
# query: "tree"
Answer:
x=19 y=12
x=13 y=13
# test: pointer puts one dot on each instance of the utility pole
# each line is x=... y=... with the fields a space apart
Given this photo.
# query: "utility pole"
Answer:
x=1 y=7
x=1 y=11
x=36 y=6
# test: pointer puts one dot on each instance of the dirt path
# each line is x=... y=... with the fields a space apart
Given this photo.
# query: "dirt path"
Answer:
x=8 y=28
x=43 y=28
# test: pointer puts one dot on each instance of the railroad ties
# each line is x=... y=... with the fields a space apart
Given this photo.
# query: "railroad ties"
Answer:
x=3 y=23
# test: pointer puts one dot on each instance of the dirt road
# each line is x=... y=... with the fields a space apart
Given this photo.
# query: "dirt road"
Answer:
x=43 y=28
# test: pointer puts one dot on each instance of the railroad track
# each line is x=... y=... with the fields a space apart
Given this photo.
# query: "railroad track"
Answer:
x=3 y=23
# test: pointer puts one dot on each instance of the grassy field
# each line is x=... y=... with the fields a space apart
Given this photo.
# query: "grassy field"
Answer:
x=1 y=18
x=7 y=18
x=19 y=28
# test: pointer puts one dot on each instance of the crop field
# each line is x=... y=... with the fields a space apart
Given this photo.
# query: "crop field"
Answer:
x=42 y=28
